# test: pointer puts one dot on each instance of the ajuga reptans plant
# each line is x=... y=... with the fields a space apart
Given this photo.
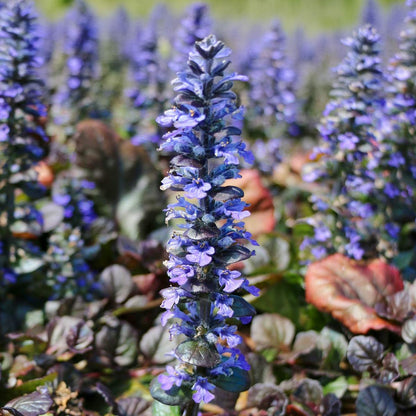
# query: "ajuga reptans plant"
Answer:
x=396 y=157
x=210 y=234
x=147 y=93
x=194 y=26
x=72 y=101
x=22 y=140
x=349 y=219
x=272 y=86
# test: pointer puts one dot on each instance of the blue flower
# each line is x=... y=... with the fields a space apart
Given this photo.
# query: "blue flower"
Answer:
x=200 y=254
x=203 y=390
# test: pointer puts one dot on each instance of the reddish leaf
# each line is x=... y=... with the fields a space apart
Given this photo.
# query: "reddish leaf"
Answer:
x=45 y=174
x=349 y=290
x=262 y=218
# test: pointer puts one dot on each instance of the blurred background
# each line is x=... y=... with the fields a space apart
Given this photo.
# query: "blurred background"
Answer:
x=314 y=16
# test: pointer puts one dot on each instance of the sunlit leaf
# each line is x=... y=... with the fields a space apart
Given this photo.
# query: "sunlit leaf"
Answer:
x=116 y=283
x=349 y=290
x=272 y=331
x=160 y=409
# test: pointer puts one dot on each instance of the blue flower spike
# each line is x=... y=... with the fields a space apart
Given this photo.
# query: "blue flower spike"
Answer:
x=210 y=235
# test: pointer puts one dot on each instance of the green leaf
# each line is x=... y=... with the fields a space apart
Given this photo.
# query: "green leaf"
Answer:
x=403 y=259
x=27 y=387
x=239 y=381
x=338 y=387
x=52 y=214
x=198 y=352
x=28 y=265
x=282 y=298
x=160 y=409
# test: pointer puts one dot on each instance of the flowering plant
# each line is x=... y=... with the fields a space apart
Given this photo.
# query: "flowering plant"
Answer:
x=210 y=235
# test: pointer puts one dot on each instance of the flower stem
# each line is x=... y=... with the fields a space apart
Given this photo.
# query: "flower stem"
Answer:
x=191 y=409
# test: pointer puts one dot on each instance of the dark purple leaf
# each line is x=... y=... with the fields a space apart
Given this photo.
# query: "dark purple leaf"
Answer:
x=116 y=283
x=396 y=307
x=331 y=405
x=80 y=338
x=375 y=401
x=59 y=329
x=116 y=343
x=365 y=352
x=267 y=396
x=308 y=391
x=108 y=397
x=155 y=344
x=406 y=392
x=270 y=330
x=390 y=370
x=409 y=365
x=132 y=406
x=198 y=352
x=33 y=404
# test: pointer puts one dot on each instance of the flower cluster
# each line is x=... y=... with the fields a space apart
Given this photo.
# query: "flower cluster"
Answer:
x=267 y=154
x=210 y=234
x=351 y=204
x=71 y=194
x=148 y=75
x=23 y=141
x=80 y=46
x=68 y=274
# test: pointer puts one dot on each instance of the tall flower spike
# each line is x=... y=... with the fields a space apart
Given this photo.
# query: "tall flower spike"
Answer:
x=23 y=141
x=272 y=83
x=195 y=25
x=396 y=157
x=210 y=235
x=148 y=93
x=371 y=13
x=72 y=100
x=345 y=162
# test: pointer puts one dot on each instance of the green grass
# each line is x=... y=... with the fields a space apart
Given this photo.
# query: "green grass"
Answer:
x=313 y=15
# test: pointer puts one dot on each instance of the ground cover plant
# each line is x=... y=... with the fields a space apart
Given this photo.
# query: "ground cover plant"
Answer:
x=206 y=219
